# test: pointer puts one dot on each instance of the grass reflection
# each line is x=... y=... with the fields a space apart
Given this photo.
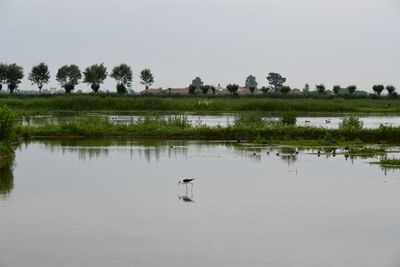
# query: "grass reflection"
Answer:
x=6 y=175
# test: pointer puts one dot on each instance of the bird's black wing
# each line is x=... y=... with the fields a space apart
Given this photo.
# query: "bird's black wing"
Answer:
x=187 y=180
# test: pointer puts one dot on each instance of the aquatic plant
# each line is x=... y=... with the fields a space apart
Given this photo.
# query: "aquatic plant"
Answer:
x=7 y=123
x=390 y=162
x=288 y=117
x=351 y=123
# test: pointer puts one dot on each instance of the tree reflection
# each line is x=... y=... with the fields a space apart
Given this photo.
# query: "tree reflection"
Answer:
x=6 y=175
x=389 y=169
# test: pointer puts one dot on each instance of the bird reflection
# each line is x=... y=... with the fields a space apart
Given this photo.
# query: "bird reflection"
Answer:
x=186 y=198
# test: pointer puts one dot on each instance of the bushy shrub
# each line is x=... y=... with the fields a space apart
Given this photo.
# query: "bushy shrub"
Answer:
x=351 y=123
x=7 y=123
x=289 y=118
x=249 y=119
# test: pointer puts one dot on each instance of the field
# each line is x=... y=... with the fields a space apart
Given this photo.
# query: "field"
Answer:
x=198 y=104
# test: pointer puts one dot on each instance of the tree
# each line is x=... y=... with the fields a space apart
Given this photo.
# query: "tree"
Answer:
x=147 y=78
x=336 y=89
x=232 y=88
x=197 y=83
x=378 y=88
x=192 y=89
x=276 y=81
x=351 y=89
x=285 y=89
x=265 y=89
x=123 y=75
x=320 y=88
x=39 y=75
x=213 y=89
x=3 y=74
x=205 y=89
x=390 y=89
x=306 y=88
x=68 y=77
x=14 y=75
x=95 y=75
x=251 y=83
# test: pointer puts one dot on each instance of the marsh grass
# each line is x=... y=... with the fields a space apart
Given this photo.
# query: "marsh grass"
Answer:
x=178 y=127
x=106 y=102
x=366 y=151
x=390 y=162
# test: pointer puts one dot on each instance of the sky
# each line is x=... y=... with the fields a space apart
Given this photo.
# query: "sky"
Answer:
x=222 y=41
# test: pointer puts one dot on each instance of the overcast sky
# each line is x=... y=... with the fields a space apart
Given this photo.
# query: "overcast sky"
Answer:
x=222 y=41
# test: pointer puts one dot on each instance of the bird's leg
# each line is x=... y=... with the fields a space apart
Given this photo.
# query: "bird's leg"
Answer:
x=186 y=189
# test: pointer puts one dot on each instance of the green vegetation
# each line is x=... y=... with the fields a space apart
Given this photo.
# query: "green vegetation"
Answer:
x=7 y=130
x=199 y=103
x=390 y=162
x=351 y=123
x=3 y=74
x=276 y=81
x=6 y=175
x=288 y=117
x=351 y=89
x=285 y=89
x=249 y=119
x=391 y=90
x=320 y=88
x=14 y=75
x=378 y=88
x=123 y=75
x=336 y=89
x=251 y=83
x=68 y=77
x=95 y=76
x=147 y=78
x=232 y=88
x=247 y=127
x=366 y=151
x=39 y=75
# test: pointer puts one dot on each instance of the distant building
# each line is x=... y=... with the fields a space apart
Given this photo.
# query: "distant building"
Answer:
x=152 y=91
x=246 y=91
x=296 y=91
x=181 y=91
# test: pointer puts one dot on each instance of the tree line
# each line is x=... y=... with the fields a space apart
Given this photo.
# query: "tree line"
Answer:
x=68 y=76
x=277 y=85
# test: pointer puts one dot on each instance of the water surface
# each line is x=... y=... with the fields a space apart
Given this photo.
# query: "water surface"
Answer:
x=117 y=203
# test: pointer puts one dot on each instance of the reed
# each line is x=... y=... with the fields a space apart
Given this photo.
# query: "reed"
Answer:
x=112 y=103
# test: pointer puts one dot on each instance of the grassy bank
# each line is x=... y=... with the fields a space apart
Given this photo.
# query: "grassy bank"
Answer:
x=5 y=150
x=177 y=127
x=110 y=103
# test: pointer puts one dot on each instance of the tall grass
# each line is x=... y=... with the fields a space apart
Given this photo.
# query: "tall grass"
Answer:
x=196 y=104
x=180 y=128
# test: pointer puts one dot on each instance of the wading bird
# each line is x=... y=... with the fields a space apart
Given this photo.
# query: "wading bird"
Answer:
x=186 y=181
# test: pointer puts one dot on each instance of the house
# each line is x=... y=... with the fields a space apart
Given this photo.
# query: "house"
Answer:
x=246 y=91
x=154 y=91
x=181 y=91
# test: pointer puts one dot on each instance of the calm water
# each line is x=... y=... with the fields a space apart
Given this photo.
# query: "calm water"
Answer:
x=117 y=203
x=223 y=120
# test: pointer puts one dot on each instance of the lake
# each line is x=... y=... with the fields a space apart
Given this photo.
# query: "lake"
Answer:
x=117 y=203
x=331 y=122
